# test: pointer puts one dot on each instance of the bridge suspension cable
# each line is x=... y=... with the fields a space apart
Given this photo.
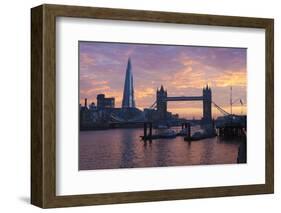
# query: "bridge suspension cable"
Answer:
x=153 y=106
x=221 y=109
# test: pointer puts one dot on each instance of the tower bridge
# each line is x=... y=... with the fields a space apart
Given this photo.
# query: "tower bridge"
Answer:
x=128 y=102
x=162 y=98
x=185 y=98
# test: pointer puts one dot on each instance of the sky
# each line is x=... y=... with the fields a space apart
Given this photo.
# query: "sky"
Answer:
x=182 y=70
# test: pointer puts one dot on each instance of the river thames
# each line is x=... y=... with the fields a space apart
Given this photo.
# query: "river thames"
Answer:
x=123 y=148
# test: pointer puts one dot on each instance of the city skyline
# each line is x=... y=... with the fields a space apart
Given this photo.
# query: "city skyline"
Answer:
x=182 y=70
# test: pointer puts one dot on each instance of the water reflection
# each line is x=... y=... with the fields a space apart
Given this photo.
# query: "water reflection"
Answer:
x=122 y=148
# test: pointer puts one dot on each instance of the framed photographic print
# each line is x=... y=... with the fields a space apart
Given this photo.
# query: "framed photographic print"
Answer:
x=136 y=106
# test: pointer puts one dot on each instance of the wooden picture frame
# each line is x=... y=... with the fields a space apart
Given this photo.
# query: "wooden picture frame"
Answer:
x=43 y=105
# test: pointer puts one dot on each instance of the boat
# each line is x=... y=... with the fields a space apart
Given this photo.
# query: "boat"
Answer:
x=183 y=132
x=161 y=126
x=161 y=133
x=167 y=133
x=200 y=135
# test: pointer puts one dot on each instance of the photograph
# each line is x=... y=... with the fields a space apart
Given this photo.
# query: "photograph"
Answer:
x=141 y=105
x=158 y=105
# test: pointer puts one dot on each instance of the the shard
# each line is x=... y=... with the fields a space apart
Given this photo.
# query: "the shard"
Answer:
x=128 y=93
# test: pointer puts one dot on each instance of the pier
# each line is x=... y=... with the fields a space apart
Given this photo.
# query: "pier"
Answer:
x=233 y=126
x=206 y=132
x=145 y=135
x=231 y=130
x=167 y=133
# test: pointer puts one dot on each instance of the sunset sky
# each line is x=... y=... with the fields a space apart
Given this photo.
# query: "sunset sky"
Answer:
x=182 y=70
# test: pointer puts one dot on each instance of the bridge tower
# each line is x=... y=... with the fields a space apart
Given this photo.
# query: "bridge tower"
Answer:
x=161 y=102
x=207 y=105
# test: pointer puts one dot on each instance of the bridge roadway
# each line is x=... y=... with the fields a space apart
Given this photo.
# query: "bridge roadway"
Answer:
x=185 y=98
x=172 y=123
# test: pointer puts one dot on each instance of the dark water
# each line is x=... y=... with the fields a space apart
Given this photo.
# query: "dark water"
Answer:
x=122 y=148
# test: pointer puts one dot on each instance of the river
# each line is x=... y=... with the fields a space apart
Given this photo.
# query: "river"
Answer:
x=123 y=148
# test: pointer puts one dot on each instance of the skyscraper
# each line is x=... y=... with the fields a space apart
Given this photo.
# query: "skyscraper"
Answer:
x=128 y=93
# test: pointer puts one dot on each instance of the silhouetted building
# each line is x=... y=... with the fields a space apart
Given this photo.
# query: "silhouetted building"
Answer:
x=105 y=115
x=92 y=106
x=85 y=103
x=207 y=105
x=128 y=93
x=103 y=102
x=161 y=103
x=85 y=118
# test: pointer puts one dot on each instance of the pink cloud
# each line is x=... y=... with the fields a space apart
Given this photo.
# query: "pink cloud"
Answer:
x=86 y=60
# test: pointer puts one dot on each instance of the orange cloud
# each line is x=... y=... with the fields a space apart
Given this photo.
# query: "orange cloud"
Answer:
x=188 y=62
x=187 y=78
x=146 y=92
x=190 y=78
x=231 y=78
x=86 y=61
x=117 y=95
x=94 y=90
x=187 y=112
x=196 y=74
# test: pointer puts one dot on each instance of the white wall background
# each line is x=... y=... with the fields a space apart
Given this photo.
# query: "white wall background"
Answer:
x=15 y=105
